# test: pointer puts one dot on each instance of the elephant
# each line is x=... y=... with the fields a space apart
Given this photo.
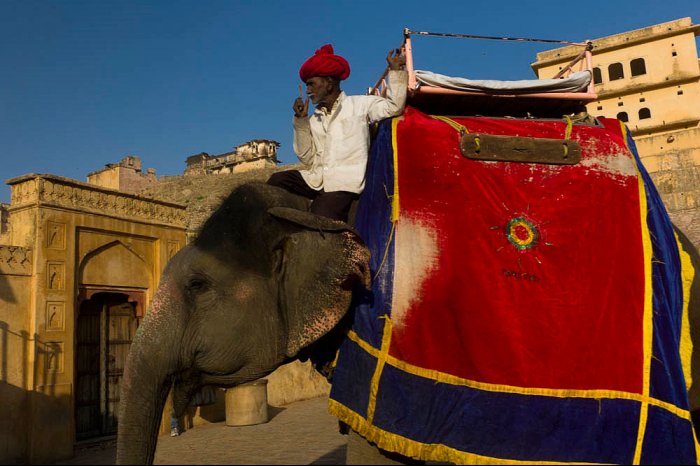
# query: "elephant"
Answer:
x=262 y=269
x=266 y=282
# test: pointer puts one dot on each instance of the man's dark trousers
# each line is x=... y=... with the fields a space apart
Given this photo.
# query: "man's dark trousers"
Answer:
x=333 y=204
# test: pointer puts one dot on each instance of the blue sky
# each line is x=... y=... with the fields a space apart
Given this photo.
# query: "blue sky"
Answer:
x=84 y=83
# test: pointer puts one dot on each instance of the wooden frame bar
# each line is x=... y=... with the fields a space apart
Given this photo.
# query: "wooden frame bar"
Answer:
x=414 y=89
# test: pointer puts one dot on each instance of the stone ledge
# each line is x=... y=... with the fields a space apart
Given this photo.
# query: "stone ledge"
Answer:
x=34 y=189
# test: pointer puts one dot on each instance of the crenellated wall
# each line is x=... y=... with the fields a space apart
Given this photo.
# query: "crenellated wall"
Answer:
x=125 y=176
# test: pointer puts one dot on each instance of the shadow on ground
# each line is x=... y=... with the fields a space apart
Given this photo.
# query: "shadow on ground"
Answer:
x=333 y=457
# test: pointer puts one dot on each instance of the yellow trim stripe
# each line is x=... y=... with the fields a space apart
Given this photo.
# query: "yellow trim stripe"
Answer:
x=686 y=347
x=381 y=361
x=687 y=277
x=441 y=377
x=394 y=144
x=648 y=307
x=648 y=329
x=418 y=450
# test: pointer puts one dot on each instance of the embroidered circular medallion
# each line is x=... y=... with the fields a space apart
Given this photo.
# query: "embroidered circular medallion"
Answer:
x=522 y=233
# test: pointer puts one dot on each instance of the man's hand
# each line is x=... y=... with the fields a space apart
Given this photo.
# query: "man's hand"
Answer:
x=301 y=108
x=395 y=59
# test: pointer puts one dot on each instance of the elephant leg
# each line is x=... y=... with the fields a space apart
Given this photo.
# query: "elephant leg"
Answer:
x=360 y=451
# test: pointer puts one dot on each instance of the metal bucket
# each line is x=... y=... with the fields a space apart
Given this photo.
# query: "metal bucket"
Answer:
x=246 y=404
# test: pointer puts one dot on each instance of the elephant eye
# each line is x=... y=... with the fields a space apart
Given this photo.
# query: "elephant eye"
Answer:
x=197 y=284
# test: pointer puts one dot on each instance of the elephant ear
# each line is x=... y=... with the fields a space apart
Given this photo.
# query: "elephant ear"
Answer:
x=320 y=262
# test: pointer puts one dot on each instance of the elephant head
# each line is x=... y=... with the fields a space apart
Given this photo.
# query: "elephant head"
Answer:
x=263 y=280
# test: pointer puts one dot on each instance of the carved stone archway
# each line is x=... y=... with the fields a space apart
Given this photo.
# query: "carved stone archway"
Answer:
x=113 y=282
x=114 y=264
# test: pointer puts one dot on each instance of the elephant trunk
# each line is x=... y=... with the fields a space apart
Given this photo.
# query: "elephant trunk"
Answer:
x=148 y=378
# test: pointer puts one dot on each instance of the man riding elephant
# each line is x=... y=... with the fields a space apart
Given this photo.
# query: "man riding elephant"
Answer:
x=334 y=141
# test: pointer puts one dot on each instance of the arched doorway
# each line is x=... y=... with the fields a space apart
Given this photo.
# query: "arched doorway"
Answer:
x=113 y=282
x=106 y=325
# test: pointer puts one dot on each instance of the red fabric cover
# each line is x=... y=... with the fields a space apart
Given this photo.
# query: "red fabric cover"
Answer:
x=563 y=312
x=325 y=63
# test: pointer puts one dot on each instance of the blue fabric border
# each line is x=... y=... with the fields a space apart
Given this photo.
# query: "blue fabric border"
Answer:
x=352 y=377
x=373 y=222
x=667 y=378
x=506 y=425
x=354 y=368
x=672 y=438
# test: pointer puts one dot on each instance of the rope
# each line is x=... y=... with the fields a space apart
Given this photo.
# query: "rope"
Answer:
x=569 y=127
x=451 y=122
x=567 y=133
x=386 y=251
x=468 y=36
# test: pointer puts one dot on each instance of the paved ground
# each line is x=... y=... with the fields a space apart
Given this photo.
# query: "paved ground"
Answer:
x=299 y=433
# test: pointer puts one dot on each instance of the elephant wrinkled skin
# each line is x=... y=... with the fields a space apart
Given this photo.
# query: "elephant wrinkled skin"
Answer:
x=261 y=270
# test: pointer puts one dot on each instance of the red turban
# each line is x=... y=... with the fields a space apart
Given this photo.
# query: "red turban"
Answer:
x=325 y=63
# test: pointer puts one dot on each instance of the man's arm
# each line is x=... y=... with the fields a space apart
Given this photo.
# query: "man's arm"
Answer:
x=302 y=142
x=397 y=83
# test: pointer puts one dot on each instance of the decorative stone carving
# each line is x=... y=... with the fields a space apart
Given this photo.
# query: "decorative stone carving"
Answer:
x=63 y=192
x=55 y=316
x=56 y=276
x=15 y=260
x=53 y=356
x=173 y=248
x=55 y=235
x=24 y=193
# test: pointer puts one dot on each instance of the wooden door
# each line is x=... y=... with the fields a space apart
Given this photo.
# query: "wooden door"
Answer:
x=87 y=388
x=121 y=327
x=106 y=326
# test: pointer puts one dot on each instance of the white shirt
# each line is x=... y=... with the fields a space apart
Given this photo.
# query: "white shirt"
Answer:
x=334 y=145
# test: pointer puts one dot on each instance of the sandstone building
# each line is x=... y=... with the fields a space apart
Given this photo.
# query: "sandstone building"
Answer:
x=79 y=264
x=4 y=221
x=78 y=269
x=650 y=79
x=253 y=155
x=125 y=176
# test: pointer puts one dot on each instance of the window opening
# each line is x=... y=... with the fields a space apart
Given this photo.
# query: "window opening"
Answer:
x=638 y=67
x=615 y=71
x=622 y=116
x=644 y=113
x=597 y=76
